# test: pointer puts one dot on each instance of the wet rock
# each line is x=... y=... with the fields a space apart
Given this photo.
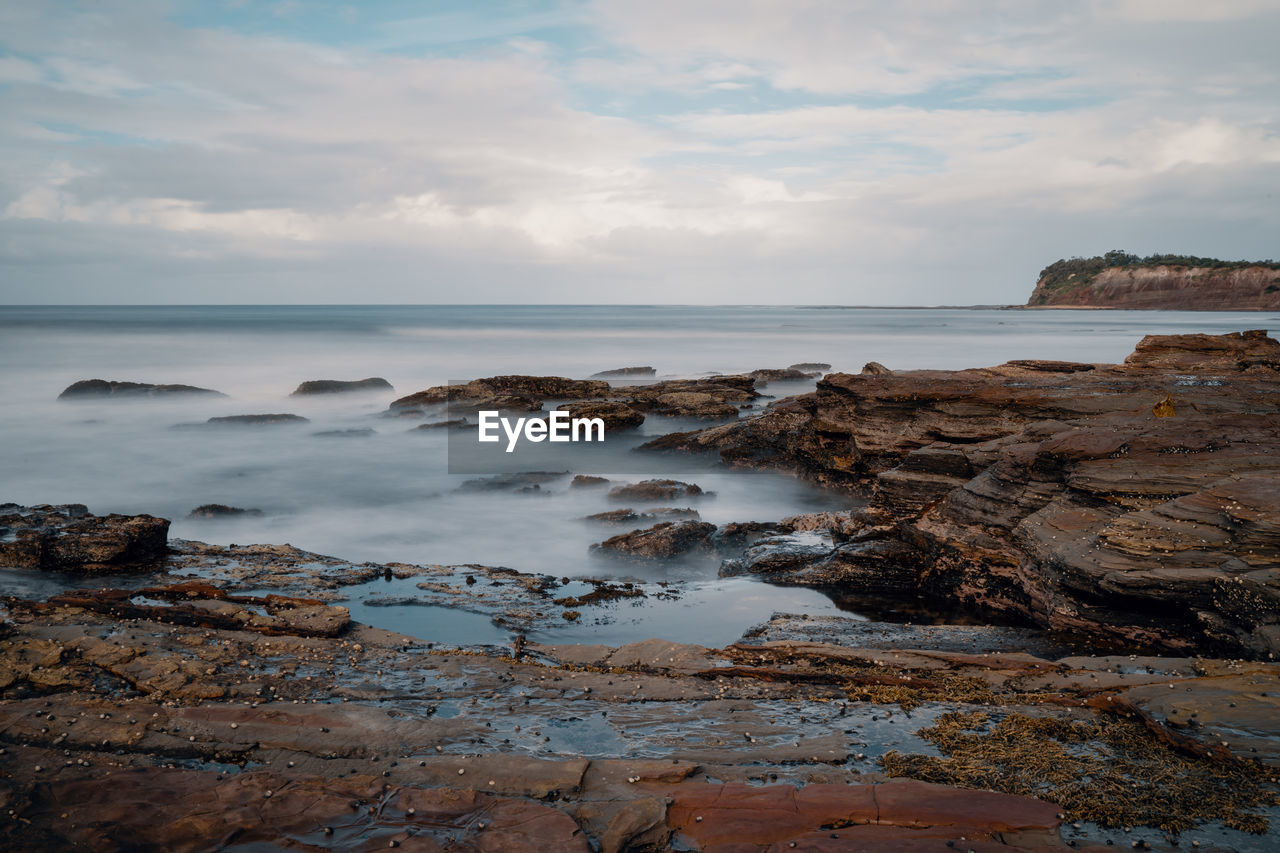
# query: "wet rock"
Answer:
x=816 y=366
x=715 y=397
x=452 y=423
x=199 y=604
x=624 y=371
x=251 y=420
x=514 y=392
x=662 y=541
x=630 y=516
x=339 y=386
x=221 y=511
x=615 y=414
x=898 y=815
x=1044 y=366
x=69 y=538
x=522 y=481
x=91 y=388
x=1049 y=492
x=201 y=810
x=357 y=432
x=780 y=553
x=586 y=481
x=693 y=404
x=738 y=534
x=784 y=374
x=656 y=490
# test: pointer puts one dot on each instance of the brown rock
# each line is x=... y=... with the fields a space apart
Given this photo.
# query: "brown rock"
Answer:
x=69 y=538
x=662 y=541
x=1050 y=492
x=655 y=490
x=615 y=414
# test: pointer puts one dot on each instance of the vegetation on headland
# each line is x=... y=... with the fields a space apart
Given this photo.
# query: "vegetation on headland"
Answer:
x=1078 y=271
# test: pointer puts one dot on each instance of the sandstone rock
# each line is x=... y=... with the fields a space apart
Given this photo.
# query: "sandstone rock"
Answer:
x=587 y=481
x=201 y=810
x=513 y=391
x=784 y=374
x=875 y=368
x=339 y=386
x=656 y=490
x=69 y=538
x=615 y=414
x=818 y=366
x=89 y=388
x=662 y=541
x=1049 y=492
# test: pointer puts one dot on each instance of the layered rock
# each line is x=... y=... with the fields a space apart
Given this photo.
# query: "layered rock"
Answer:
x=716 y=397
x=1166 y=287
x=70 y=538
x=662 y=541
x=1052 y=491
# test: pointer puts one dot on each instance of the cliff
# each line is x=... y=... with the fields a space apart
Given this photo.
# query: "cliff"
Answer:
x=1164 y=286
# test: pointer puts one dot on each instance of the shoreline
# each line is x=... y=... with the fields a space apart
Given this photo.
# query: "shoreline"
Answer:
x=1125 y=504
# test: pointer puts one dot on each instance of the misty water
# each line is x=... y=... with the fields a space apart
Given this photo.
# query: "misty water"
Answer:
x=388 y=495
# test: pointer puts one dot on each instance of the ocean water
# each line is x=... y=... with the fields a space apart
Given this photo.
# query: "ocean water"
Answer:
x=389 y=495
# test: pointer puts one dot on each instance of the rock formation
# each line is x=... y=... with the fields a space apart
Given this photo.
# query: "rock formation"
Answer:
x=1050 y=491
x=338 y=386
x=90 y=388
x=1165 y=287
x=70 y=538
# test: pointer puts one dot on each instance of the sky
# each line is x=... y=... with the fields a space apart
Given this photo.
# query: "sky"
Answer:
x=624 y=151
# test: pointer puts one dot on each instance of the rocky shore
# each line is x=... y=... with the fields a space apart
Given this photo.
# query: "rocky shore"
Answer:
x=181 y=695
x=1135 y=502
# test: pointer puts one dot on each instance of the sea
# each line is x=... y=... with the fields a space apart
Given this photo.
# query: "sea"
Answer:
x=389 y=494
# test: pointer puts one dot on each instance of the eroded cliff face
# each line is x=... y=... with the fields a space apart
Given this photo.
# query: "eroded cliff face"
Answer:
x=1137 y=502
x=1168 y=287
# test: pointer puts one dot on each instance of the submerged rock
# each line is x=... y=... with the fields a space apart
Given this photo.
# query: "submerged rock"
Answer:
x=630 y=516
x=818 y=366
x=339 y=386
x=625 y=371
x=221 y=511
x=523 y=481
x=662 y=541
x=70 y=538
x=355 y=432
x=106 y=388
x=250 y=420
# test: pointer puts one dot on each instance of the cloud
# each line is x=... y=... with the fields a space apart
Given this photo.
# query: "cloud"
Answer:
x=719 y=151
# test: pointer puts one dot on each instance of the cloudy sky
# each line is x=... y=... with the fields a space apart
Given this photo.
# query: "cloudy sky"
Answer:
x=713 y=151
